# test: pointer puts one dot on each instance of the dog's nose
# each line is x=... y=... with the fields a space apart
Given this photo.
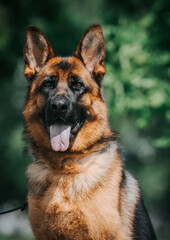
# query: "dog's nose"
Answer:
x=59 y=104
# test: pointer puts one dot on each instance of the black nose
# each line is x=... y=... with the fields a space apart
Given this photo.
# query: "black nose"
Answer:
x=59 y=104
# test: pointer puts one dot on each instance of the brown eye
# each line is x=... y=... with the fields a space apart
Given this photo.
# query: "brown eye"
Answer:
x=49 y=82
x=78 y=85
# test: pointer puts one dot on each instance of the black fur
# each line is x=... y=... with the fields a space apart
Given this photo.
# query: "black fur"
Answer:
x=123 y=182
x=64 y=65
x=143 y=229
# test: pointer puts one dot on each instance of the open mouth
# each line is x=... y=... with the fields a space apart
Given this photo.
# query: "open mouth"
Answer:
x=63 y=127
x=61 y=134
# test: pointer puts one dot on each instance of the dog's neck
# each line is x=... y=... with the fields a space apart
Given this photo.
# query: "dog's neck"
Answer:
x=75 y=162
x=81 y=175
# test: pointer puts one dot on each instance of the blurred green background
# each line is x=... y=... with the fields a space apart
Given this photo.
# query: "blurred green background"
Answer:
x=137 y=90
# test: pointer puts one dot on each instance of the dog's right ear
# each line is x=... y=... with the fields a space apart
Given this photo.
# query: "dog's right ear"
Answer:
x=37 y=51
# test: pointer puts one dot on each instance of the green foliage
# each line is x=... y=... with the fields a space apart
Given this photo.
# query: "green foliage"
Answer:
x=132 y=77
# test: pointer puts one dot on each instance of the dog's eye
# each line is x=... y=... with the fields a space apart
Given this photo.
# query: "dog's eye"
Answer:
x=49 y=83
x=77 y=85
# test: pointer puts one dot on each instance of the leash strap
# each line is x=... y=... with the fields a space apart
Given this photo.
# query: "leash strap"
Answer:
x=22 y=208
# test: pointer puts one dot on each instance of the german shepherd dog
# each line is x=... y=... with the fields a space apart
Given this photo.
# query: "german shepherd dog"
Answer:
x=77 y=187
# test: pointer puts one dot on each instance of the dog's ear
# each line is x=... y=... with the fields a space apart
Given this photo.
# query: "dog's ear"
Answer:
x=91 y=50
x=37 y=51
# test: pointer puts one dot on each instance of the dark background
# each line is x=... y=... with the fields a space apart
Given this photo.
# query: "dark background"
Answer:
x=137 y=88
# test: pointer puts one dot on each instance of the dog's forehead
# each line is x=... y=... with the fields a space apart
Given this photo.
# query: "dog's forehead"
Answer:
x=65 y=65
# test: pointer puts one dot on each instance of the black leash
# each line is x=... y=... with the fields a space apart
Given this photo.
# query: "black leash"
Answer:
x=22 y=208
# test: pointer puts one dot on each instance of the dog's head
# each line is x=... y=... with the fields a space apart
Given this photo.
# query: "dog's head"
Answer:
x=65 y=109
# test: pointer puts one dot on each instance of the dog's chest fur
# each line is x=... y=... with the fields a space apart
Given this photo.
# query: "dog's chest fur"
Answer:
x=73 y=206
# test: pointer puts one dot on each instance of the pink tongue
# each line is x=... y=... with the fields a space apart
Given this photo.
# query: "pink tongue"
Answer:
x=60 y=137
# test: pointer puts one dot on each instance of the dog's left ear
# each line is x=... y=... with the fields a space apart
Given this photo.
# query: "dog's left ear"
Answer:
x=91 y=51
